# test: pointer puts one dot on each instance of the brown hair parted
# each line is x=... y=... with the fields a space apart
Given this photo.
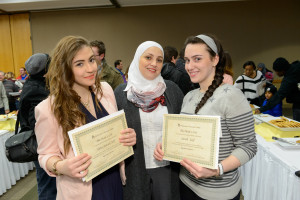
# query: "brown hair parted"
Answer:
x=218 y=78
x=60 y=80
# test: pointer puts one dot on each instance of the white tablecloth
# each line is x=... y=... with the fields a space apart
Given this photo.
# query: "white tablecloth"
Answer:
x=10 y=172
x=270 y=175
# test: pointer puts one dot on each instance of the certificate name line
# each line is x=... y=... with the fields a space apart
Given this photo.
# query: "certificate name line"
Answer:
x=189 y=135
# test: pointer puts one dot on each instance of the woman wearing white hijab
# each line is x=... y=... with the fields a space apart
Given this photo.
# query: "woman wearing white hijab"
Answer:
x=145 y=98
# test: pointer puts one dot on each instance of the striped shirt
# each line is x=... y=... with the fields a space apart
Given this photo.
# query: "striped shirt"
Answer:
x=238 y=139
x=249 y=86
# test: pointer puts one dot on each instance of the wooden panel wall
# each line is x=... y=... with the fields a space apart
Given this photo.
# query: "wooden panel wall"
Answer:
x=6 y=54
x=15 y=42
x=21 y=40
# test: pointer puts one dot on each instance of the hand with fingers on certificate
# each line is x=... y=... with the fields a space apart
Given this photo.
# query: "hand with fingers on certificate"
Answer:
x=107 y=140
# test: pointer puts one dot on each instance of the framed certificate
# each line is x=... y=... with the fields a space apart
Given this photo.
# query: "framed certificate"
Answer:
x=193 y=137
x=100 y=139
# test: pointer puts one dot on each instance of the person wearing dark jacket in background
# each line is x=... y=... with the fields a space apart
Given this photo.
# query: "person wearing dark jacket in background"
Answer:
x=289 y=89
x=169 y=71
x=34 y=91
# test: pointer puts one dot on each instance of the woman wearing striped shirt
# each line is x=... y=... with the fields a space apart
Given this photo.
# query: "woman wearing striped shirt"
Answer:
x=251 y=83
x=205 y=63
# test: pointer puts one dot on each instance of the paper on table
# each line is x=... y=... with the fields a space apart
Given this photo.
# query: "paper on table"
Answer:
x=100 y=139
x=193 y=137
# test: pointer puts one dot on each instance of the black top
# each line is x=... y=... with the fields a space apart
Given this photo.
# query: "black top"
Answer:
x=289 y=88
x=106 y=185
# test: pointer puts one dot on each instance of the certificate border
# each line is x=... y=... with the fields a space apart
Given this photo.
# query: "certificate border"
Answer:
x=193 y=118
x=79 y=149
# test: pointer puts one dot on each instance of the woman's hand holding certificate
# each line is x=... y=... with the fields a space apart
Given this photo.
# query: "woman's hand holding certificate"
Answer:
x=75 y=167
x=128 y=137
x=107 y=140
x=198 y=171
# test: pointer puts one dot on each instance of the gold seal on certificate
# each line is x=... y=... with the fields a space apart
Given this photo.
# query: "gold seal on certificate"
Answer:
x=100 y=139
x=195 y=137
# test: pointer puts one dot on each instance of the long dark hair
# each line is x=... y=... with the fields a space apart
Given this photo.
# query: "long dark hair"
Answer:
x=218 y=78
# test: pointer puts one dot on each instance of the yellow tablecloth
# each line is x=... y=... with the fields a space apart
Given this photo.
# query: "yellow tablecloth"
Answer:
x=267 y=131
x=9 y=125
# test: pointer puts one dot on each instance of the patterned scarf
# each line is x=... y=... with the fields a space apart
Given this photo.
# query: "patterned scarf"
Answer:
x=149 y=100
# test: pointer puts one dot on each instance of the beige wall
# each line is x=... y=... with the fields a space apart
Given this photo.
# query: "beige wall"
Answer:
x=250 y=30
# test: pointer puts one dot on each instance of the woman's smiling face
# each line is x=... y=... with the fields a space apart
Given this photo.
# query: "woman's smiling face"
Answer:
x=199 y=64
x=151 y=63
x=84 y=67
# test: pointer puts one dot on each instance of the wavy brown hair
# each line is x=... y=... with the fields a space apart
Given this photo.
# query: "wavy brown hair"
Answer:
x=60 y=80
x=218 y=79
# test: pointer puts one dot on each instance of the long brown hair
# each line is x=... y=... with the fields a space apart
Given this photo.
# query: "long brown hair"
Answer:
x=218 y=78
x=60 y=80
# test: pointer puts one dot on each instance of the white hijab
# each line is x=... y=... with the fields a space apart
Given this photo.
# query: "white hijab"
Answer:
x=135 y=78
x=141 y=91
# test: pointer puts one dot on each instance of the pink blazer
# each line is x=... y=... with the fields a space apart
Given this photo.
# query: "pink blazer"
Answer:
x=50 y=143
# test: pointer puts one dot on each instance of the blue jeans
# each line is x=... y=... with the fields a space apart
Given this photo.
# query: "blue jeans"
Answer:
x=2 y=111
x=46 y=183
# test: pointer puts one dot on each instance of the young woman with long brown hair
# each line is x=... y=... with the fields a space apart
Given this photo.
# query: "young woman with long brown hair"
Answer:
x=76 y=97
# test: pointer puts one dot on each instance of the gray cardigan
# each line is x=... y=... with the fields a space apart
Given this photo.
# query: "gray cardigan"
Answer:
x=3 y=97
x=138 y=181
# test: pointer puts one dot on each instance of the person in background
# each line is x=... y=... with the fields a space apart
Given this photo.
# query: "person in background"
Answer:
x=251 y=83
x=269 y=76
x=76 y=97
x=265 y=71
x=4 y=105
x=277 y=110
x=228 y=73
x=11 y=76
x=205 y=63
x=10 y=86
x=169 y=71
x=180 y=63
x=109 y=74
x=145 y=98
x=119 y=67
x=289 y=88
x=23 y=74
x=35 y=91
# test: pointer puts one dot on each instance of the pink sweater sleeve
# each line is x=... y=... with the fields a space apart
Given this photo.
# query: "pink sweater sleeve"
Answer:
x=47 y=134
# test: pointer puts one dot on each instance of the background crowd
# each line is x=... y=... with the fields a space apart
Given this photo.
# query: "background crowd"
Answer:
x=197 y=80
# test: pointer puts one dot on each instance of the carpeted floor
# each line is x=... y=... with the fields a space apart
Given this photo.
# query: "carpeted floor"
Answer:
x=31 y=194
x=25 y=189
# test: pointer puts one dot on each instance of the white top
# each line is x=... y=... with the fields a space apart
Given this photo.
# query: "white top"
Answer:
x=152 y=125
x=250 y=86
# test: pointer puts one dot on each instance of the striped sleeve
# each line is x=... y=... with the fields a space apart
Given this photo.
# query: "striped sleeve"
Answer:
x=241 y=128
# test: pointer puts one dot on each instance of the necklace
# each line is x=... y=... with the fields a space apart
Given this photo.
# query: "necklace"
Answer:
x=86 y=104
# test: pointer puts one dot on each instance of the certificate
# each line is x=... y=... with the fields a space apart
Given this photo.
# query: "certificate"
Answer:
x=100 y=139
x=193 y=137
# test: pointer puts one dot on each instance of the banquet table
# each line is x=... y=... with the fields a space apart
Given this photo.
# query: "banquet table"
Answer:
x=10 y=172
x=270 y=175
